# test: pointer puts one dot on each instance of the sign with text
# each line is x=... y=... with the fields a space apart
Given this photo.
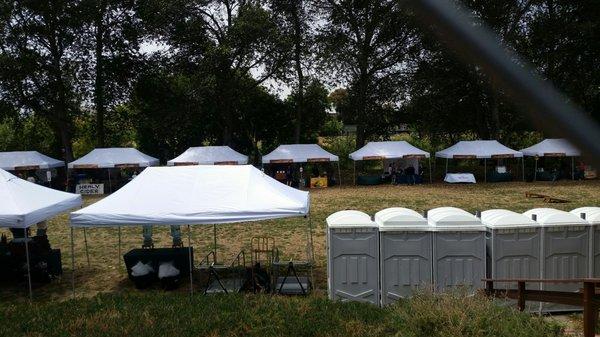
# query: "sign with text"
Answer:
x=89 y=189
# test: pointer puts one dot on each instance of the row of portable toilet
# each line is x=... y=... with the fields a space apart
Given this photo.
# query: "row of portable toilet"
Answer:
x=385 y=259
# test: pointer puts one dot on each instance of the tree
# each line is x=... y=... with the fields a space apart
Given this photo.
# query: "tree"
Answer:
x=40 y=59
x=369 y=45
x=113 y=33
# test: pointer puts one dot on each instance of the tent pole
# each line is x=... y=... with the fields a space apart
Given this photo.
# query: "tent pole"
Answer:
x=485 y=170
x=535 y=169
x=87 y=254
x=191 y=264
x=109 y=182
x=72 y=263
x=430 y=177
x=339 y=174
x=446 y=165
x=523 y=167
x=215 y=241
x=572 y=168
x=354 y=163
x=28 y=265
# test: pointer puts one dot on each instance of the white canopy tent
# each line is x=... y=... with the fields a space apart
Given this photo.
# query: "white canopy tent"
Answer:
x=556 y=147
x=196 y=195
x=209 y=155
x=25 y=204
x=389 y=150
x=115 y=157
x=27 y=160
x=301 y=153
x=479 y=149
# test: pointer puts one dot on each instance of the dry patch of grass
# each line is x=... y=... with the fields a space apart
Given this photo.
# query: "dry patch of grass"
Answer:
x=106 y=272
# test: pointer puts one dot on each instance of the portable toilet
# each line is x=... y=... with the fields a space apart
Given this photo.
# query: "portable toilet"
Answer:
x=352 y=257
x=592 y=216
x=458 y=249
x=405 y=252
x=513 y=248
x=564 y=251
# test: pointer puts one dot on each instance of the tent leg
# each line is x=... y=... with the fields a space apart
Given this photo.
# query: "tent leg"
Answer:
x=535 y=170
x=28 y=265
x=572 y=168
x=430 y=177
x=485 y=170
x=72 y=263
x=215 y=241
x=523 y=167
x=87 y=254
x=446 y=165
x=339 y=175
x=354 y=162
x=191 y=264
x=109 y=182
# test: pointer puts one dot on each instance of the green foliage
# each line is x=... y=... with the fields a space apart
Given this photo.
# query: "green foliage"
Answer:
x=259 y=315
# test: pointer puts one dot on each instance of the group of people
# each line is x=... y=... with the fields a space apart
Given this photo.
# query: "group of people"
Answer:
x=408 y=175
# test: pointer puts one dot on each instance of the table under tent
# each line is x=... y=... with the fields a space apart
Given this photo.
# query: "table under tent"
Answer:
x=480 y=149
x=31 y=164
x=112 y=161
x=390 y=153
x=209 y=155
x=23 y=205
x=206 y=195
x=551 y=148
x=281 y=164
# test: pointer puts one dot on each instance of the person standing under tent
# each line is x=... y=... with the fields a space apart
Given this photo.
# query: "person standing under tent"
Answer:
x=410 y=175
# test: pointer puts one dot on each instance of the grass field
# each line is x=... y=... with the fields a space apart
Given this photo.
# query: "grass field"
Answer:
x=106 y=274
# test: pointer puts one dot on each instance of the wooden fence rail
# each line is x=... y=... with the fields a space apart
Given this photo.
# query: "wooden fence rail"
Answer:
x=587 y=297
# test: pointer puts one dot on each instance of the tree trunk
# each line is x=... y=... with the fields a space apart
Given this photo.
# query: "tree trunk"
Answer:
x=299 y=73
x=494 y=114
x=99 y=82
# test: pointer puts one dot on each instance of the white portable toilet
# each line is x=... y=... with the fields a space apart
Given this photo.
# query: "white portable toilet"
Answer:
x=458 y=249
x=592 y=216
x=352 y=257
x=513 y=248
x=405 y=253
x=564 y=251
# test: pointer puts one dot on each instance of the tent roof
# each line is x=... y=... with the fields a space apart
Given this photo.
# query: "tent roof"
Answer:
x=478 y=149
x=398 y=218
x=592 y=214
x=209 y=155
x=114 y=157
x=552 y=148
x=503 y=218
x=24 y=203
x=349 y=219
x=453 y=219
x=554 y=217
x=298 y=153
x=387 y=150
x=189 y=195
x=27 y=160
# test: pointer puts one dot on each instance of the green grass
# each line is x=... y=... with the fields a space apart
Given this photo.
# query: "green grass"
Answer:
x=167 y=314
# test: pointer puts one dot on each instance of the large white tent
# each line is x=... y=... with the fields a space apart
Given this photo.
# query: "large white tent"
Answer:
x=209 y=155
x=388 y=150
x=298 y=153
x=191 y=195
x=553 y=147
x=113 y=158
x=478 y=149
x=27 y=160
x=301 y=153
x=25 y=204
x=195 y=195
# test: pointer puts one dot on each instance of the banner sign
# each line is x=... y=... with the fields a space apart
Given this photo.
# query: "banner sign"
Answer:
x=89 y=189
